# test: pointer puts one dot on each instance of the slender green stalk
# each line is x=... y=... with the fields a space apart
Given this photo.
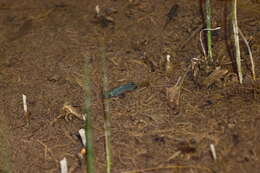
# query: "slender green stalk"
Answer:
x=236 y=38
x=6 y=164
x=107 y=117
x=209 y=37
x=88 y=113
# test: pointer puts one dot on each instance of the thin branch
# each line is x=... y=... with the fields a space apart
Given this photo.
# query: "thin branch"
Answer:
x=250 y=53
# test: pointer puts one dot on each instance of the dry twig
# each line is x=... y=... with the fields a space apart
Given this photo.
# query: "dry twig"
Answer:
x=47 y=150
x=250 y=54
x=169 y=167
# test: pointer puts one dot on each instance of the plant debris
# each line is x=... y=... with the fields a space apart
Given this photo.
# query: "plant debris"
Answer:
x=71 y=110
x=104 y=18
x=214 y=77
x=171 y=14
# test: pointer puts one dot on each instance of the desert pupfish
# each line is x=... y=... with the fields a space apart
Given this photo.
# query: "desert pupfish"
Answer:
x=119 y=91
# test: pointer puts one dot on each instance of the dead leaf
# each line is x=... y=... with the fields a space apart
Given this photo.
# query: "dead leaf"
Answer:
x=173 y=93
x=214 y=77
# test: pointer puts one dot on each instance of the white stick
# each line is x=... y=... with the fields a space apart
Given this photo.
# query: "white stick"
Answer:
x=83 y=136
x=97 y=10
x=24 y=103
x=168 y=57
x=64 y=165
x=201 y=41
x=213 y=151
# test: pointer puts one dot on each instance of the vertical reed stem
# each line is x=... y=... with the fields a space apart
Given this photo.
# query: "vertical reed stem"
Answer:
x=107 y=117
x=209 y=37
x=88 y=113
x=236 y=38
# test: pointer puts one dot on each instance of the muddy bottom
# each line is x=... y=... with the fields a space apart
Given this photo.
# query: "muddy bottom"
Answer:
x=179 y=111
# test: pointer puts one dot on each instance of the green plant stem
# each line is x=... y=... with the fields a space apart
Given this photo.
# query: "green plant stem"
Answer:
x=209 y=37
x=6 y=164
x=236 y=38
x=107 y=124
x=88 y=113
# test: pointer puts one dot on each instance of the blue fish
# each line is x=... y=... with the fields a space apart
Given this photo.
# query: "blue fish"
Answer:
x=119 y=91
